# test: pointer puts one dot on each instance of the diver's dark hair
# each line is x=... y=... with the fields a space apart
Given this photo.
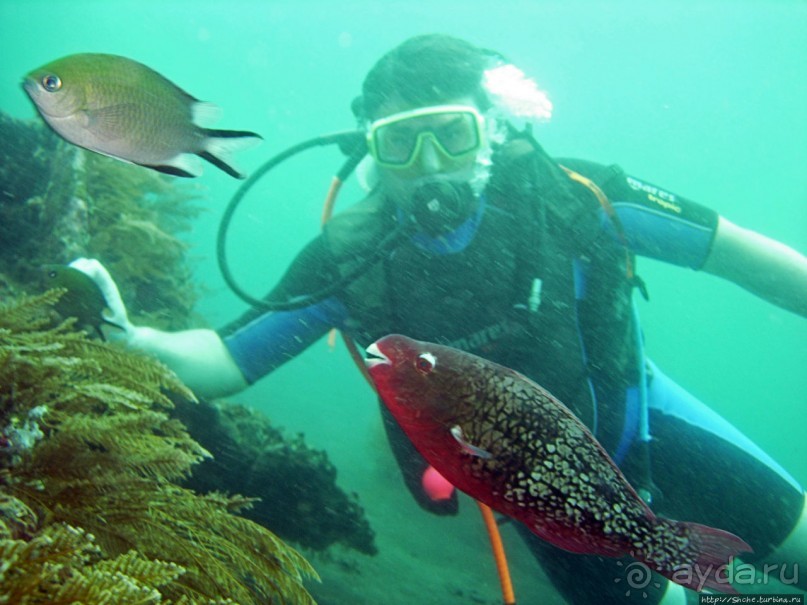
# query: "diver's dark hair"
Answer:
x=425 y=70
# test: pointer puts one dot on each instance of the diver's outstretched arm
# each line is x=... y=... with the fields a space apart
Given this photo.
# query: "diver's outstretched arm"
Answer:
x=761 y=265
x=199 y=357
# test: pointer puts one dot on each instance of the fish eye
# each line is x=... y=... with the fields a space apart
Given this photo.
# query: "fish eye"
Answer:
x=51 y=273
x=425 y=363
x=51 y=83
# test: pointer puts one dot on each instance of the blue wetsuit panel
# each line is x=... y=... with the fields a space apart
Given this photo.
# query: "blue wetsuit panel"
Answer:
x=672 y=401
x=661 y=235
x=656 y=223
x=273 y=338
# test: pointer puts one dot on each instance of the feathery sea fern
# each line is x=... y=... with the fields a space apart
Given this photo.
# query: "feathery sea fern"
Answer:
x=89 y=511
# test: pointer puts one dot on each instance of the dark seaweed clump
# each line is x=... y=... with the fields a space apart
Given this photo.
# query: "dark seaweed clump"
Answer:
x=250 y=456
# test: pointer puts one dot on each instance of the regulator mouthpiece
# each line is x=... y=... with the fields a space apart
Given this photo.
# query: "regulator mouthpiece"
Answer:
x=442 y=206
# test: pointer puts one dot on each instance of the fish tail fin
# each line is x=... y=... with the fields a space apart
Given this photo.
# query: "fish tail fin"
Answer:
x=693 y=555
x=219 y=145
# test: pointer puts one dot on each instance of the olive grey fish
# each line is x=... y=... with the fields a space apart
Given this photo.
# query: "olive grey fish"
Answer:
x=121 y=108
x=504 y=440
x=82 y=298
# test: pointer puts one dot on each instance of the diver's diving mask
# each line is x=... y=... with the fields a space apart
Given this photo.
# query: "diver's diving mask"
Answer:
x=396 y=141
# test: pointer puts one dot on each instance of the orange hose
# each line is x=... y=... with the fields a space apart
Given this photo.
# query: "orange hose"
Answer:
x=498 y=554
x=610 y=212
x=330 y=199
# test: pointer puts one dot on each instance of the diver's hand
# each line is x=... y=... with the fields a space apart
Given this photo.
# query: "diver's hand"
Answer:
x=117 y=310
x=199 y=356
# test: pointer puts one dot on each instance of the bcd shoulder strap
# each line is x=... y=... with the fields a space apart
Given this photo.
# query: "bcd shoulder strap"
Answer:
x=608 y=208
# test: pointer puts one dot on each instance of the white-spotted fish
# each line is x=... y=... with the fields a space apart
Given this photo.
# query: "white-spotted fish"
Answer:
x=121 y=108
x=504 y=440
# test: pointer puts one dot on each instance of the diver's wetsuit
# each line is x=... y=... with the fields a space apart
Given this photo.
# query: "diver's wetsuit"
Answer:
x=537 y=279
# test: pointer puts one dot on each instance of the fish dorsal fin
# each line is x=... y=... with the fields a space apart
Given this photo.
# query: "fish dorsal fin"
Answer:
x=110 y=122
x=456 y=432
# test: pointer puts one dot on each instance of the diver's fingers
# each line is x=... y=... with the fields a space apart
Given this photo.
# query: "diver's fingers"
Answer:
x=99 y=274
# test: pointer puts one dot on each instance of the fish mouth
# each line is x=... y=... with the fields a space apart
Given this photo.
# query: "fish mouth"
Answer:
x=29 y=85
x=375 y=357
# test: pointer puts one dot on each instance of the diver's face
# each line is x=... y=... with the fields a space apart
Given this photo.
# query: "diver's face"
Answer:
x=432 y=146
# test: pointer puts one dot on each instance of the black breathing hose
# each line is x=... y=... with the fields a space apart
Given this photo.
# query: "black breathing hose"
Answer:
x=351 y=143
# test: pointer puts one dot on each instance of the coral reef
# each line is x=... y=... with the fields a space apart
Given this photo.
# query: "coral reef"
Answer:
x=90 y=508
x=299 y=498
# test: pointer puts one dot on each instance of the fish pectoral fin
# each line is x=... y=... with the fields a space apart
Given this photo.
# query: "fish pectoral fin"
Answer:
x=456 y=432
x=110 y=122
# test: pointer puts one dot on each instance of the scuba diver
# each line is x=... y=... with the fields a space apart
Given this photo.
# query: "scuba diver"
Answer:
x=482 y=241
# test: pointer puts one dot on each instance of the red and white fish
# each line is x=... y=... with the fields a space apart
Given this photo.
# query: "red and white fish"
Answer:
x=504 y=440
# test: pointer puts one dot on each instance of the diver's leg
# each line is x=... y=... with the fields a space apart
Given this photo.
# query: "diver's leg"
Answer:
x=792 y=549
x=674 y=595
x=709 y=472
x=790 y=555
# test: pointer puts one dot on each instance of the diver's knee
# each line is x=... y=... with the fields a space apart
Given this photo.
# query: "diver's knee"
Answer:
x=792 y=552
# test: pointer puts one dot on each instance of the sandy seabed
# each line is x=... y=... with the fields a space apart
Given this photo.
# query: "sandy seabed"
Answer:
x=424 y=559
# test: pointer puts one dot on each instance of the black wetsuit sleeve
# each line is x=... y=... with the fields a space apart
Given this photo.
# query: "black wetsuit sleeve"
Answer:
x=261 y=341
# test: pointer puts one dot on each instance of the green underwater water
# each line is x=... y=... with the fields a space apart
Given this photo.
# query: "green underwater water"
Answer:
x=703 y=98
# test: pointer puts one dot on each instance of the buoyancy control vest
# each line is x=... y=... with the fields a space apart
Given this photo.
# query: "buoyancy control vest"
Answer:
x=541 y=288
